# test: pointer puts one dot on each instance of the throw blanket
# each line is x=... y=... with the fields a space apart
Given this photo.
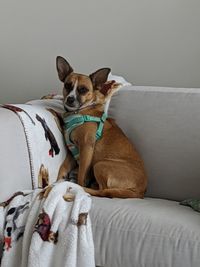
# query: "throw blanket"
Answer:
x=45 y=142
x=47 y=227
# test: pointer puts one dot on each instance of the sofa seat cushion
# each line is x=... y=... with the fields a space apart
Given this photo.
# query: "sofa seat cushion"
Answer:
x=145 y=232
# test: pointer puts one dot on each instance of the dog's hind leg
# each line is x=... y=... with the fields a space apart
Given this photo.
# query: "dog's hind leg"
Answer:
x=118 y=179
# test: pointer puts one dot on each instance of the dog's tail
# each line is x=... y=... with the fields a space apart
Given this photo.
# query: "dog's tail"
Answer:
x=114 y=193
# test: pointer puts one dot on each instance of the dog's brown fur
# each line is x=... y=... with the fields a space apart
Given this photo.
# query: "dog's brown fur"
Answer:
x=117 y=167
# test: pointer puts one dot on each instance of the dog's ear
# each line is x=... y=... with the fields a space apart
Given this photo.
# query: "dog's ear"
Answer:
x=99 y=77
x=106 y=92
x=63 y=68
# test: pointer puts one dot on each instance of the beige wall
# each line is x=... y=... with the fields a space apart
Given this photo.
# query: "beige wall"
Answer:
x=150 y=42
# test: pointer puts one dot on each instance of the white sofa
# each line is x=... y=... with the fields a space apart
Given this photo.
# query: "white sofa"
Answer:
x=164 y=124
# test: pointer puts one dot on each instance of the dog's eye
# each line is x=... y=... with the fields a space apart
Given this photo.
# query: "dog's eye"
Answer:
x=82 y=90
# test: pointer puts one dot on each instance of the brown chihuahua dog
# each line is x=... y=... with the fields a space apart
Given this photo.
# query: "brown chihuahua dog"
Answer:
x=113 y=160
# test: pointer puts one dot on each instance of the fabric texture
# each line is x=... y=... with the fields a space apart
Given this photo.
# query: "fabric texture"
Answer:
x=118 y=79
x=48 y=227
x=145 y=233
x=164 y=125
x=44 y=138
x=15 y=172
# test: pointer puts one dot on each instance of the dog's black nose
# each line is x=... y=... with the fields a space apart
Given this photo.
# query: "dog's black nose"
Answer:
x=70 y=100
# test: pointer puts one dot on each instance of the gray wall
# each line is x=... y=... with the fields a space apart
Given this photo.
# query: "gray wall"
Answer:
x=150 y=42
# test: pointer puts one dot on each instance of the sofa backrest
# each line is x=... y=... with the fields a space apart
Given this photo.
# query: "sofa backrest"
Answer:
x=164 y=125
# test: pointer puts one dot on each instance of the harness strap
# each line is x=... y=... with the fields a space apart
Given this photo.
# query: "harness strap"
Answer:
x=80 y=119
x=73 y=121
x=101 y=124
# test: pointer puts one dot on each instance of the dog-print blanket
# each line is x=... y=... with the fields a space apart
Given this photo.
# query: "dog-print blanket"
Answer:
x=43 y=132
x=47 y=227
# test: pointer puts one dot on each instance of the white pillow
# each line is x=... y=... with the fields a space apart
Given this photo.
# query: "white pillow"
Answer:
x=118 y=79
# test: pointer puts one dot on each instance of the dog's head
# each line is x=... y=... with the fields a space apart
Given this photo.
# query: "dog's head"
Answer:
x=79 y=90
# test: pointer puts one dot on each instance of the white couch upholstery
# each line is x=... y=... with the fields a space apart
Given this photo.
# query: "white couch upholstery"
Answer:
x=14 y=162
x=164 y=124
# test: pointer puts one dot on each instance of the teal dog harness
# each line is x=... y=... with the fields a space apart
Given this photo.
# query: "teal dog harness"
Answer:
x=75 y=120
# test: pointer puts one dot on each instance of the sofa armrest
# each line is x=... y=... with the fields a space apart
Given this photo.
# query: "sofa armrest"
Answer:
x=14 y=158
x=27 y=154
